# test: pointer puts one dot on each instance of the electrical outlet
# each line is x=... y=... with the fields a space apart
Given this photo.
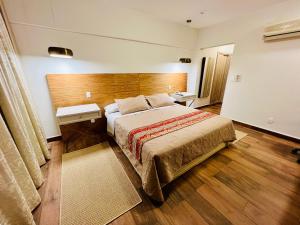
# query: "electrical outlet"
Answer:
x=271 y=120
x=88 y=94
x=93 y=120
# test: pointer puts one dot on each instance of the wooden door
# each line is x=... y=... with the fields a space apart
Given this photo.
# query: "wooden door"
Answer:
x=220 y=78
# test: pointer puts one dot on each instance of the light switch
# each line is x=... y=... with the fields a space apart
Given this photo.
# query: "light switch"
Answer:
x=170 y=87
x=237 y=78
x=88 y=94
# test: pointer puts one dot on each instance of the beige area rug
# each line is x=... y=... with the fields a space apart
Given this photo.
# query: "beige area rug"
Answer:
x=95 y=188
x=239 y=136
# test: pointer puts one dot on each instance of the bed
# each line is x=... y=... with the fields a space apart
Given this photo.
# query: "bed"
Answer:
x=164 y=157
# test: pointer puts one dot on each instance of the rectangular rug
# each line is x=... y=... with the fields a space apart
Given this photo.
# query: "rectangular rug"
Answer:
x=95 y=188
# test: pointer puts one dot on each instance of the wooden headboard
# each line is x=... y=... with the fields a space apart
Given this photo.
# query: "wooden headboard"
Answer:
x=70 y=89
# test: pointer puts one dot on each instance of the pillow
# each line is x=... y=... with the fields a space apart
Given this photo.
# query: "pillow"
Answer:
x=160 y=100
x=134 y=104
x=111 y=108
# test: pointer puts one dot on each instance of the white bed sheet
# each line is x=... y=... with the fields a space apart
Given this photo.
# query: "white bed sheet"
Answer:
x=111 y=117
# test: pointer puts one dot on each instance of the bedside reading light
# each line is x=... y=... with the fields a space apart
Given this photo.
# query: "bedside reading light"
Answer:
x=185 y=60
x=60 y=52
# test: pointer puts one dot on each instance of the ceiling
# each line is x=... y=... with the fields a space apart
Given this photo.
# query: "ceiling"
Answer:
x=215 y=11
x=202 y=12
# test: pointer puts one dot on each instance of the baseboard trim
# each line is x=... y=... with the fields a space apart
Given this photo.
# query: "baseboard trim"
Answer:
x=294 y=139
x=268 y=132
x=59 y=138
x=56 y=138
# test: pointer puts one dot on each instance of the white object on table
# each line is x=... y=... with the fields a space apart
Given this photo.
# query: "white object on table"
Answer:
x=184 y=97
x=78 y=113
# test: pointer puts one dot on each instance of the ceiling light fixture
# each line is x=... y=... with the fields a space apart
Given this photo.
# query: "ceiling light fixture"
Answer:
x=60 y=52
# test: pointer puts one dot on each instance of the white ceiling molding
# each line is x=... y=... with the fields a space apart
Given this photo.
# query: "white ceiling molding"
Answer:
x=97 y=35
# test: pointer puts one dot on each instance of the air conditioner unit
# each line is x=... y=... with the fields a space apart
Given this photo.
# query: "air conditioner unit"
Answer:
x=282 y=31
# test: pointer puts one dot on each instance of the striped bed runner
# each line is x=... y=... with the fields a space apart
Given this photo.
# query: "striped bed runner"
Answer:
x=139 y=136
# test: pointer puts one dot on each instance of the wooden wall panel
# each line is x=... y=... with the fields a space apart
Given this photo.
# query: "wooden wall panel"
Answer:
x=152 y=83
x=126 y=85
x=70 y=89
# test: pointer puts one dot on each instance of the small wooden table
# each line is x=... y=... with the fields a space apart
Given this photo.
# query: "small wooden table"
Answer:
x=183 y=97
x=80 y=126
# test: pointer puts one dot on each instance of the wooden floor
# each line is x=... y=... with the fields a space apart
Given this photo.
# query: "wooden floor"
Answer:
x=255 y=181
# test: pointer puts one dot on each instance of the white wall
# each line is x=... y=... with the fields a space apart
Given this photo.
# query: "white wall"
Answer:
x=270 y=71
x=104 y=39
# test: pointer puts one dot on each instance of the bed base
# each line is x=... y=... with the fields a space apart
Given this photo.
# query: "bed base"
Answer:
x=198 y=160
x=186 y=167
x=191 y=164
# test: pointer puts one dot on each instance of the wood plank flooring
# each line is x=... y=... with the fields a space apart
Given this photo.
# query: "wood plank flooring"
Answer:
x=255 y=181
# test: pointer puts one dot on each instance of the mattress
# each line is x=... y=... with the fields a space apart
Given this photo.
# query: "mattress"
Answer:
x=111 y=117
x=164 y=156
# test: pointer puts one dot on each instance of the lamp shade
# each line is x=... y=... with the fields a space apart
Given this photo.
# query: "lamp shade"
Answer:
x=60 y=52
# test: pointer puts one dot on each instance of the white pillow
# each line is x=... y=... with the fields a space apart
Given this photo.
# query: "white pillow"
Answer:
x=111 y=108
x=133 y=104
x=159 y=100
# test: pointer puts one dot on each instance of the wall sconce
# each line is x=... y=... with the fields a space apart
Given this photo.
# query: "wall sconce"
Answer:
x=60 y=52
x=185 y=60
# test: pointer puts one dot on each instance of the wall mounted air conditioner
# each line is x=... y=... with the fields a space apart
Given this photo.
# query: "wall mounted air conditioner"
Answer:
x=282 y=31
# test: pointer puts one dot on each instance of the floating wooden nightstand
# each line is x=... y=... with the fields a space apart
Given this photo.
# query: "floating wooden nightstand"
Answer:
x=183 y=97
x=78 y=113
x=80 y=125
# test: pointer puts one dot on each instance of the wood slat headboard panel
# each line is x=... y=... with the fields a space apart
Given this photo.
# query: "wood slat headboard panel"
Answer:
x=70 y=89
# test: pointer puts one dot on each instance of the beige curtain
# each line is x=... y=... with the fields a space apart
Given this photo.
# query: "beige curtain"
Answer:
x=23 y=145
x=17 y=191
x=220 y=78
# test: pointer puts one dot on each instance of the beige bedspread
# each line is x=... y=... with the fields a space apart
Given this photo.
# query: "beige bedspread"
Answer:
x=163 y=156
